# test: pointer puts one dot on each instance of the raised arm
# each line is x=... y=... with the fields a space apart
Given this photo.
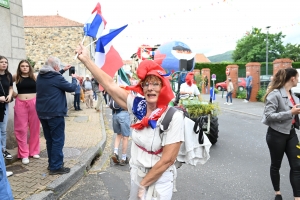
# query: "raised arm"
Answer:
x=117 y=93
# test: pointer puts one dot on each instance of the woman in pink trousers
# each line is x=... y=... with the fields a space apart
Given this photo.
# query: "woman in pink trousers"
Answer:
x=25 y=113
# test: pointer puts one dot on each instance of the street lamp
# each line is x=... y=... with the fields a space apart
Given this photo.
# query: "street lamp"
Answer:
x=267 y=50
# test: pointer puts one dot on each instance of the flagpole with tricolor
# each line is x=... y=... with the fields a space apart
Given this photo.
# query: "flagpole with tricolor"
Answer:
x=94 y=26
x=106 y=56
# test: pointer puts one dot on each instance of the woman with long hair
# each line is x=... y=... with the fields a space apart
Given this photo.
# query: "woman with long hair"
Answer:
x=6 y=91
x=25 y=113
x=281 y=115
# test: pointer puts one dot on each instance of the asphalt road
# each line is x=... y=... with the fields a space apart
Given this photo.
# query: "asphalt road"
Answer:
x=238 y=169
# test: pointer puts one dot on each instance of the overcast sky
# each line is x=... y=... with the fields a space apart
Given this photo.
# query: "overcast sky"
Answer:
x=207 y=26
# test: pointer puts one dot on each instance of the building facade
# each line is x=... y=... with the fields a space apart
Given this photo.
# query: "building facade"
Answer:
x=13 y=47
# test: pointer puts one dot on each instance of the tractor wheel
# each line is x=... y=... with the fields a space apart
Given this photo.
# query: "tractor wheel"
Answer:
x=214 y=130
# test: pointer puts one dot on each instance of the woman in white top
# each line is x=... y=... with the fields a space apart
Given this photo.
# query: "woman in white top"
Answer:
x=229 y=92
x=189 y=87
x=153 y=154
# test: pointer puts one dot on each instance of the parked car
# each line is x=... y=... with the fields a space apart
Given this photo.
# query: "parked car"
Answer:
x=223 y=85
x=265 y=80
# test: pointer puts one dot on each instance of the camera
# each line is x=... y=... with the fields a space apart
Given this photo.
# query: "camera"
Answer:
x=71 y=70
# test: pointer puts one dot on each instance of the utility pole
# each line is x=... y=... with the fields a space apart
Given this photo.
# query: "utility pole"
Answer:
x=267 y=51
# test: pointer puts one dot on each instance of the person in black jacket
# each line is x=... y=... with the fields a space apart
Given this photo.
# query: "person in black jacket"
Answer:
x=51 y=107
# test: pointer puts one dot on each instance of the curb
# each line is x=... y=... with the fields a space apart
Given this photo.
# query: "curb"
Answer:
x=61 y=185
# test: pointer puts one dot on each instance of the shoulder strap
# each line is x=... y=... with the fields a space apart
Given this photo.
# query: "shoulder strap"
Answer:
x=167 y=119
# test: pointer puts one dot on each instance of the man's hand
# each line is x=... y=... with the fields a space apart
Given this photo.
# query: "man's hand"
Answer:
x=74 y=75
x=67 y=67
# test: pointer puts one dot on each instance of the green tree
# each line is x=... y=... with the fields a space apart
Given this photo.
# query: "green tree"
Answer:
x=252 y=47
x=292 y=51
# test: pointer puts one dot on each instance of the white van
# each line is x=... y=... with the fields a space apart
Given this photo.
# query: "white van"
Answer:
x=296 y=89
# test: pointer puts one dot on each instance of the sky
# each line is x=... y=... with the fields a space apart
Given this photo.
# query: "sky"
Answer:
x=207 y=26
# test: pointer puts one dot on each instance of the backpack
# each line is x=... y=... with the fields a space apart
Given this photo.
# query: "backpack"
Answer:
x=196 y=146
x=113 y=105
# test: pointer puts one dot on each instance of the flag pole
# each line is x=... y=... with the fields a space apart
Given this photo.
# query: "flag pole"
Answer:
x=81 y=43
x=91 y=43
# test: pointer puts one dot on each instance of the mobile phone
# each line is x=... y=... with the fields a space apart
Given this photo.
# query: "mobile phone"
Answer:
x=71 y=70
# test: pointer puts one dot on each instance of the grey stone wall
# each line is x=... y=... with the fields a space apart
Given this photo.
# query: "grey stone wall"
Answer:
x=13 y=48
x=57 y=41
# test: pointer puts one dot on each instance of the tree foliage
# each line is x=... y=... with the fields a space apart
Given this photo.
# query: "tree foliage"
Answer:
x=252 y=47
x=292 y=51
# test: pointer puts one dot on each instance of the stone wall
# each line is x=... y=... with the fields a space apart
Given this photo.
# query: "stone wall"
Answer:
x=59 y=42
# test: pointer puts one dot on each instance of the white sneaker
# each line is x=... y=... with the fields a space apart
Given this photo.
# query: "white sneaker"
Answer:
x=25 y=161
x=8 y=173
x=36 y=156
x=226 y=103
x=229 y=103
x=245 y=100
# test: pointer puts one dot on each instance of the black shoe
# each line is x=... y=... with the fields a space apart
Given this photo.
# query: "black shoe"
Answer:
x=115 y=158
x=48 y=168
x=278 y=197
x=62 y=170
x=124 y=162
x=7 y=155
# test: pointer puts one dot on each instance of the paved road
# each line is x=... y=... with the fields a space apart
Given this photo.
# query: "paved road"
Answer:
x=238 y=169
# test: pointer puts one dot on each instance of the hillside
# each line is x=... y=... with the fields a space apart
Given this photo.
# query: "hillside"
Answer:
x=224 y=57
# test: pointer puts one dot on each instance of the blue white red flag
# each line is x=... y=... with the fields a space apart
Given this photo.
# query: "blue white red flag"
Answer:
x=95 y=24
x=106 y=57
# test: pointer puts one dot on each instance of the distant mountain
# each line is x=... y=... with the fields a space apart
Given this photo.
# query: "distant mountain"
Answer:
x=224 y=57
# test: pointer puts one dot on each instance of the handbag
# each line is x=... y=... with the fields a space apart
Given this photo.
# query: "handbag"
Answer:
x=12 y=99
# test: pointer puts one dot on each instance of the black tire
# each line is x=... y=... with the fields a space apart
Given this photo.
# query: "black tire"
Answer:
x=214 y=130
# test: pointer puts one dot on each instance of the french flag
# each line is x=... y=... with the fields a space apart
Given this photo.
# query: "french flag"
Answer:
x=95 y=24
x=106 y=57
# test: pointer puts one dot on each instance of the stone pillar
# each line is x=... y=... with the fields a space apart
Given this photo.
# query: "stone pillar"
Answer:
x=233 y=74
x=205 y=72
x=254 y=69
x=282 y=63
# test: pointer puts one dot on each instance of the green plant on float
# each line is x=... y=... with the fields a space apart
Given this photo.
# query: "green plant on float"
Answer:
x=196 y=108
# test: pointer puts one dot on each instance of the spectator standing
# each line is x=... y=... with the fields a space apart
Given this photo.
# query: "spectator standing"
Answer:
x=25 y=116
x=248 y=86
x=88 y=91
x=5 y=189
x=77 y=96
x=121 y=126
x=105 y=97
x=206 y=84
x=51 y=107
x=6 y=91
x=281 y=115
x=98 y=93
x=229 y=92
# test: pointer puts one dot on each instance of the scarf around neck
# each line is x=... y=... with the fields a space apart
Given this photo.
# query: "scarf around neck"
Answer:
x=139 y=109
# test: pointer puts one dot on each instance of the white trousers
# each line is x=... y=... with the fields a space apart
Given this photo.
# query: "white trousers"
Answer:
x=163 y=186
